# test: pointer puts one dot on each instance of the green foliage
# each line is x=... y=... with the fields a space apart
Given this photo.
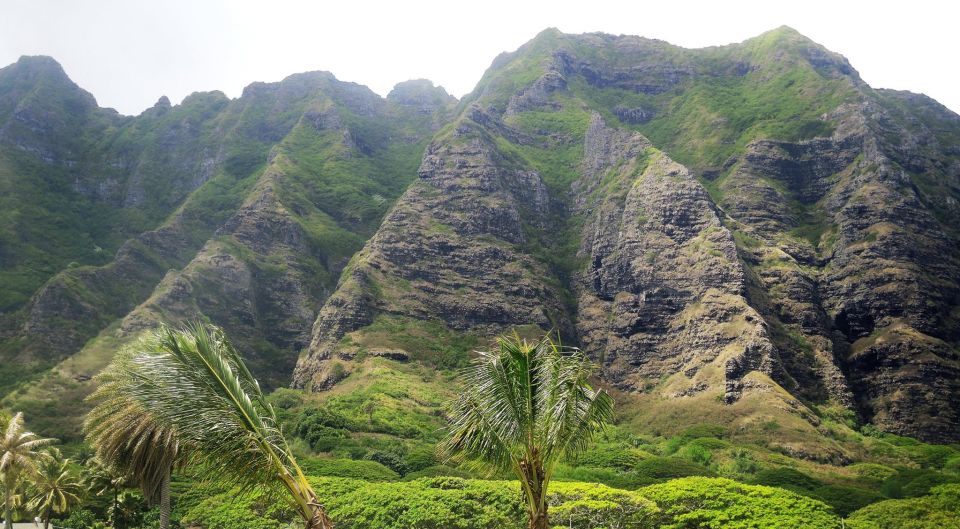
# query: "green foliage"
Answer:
x=931 y=456
x=787 y=478
x=845 y=499
x=368 y=470
x=191 y=384
x=657 y=469
x=235 y=509
x=587 y=506
x=940 y=509
x=872 y=472
x=433 y=503
x=79 y=519
x=611 y=457
x=430 y=503
x=913 y=482
x=705 y=430
x=607 y=476
x=718 y=503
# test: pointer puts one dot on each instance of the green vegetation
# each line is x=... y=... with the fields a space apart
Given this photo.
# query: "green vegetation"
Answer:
x=725 y=504
x=390 y=477
x=429 y=342
x=941 y=508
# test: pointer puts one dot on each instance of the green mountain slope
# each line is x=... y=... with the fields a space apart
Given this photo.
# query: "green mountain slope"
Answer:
x=289 y=181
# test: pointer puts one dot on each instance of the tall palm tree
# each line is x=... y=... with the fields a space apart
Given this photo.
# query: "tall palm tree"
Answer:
x=525 y=407
x=19 y=452
x=191 y=383
x=128 y=438
x=56 y=487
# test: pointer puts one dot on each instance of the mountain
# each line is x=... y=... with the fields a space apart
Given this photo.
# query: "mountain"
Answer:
x=735 y=231
x=240 y=211
x=746 y=234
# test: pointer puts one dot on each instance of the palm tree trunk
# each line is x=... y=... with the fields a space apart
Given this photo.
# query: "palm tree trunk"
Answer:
x=46 y=518
x=539 y=520
x=7 y=512
x=320 y=519
x=165 y=502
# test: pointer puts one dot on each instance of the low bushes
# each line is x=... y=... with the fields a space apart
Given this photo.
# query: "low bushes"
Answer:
x=347 y=468
x=787 y=478
x=456 y=503
x=939 y=509
x=656 y=469
x=718 y=503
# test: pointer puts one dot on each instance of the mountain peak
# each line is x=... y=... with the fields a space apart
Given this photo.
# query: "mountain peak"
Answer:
x=35 y=67
x=420 y=92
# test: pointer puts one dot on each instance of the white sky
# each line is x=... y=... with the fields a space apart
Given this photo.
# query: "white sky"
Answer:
x=128 y=53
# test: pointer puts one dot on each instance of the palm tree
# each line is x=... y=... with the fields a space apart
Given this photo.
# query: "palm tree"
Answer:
x=56 y=488
x=19 y=452
x=526 y=406
x=100 y=479
x=192 y=385
x=133 y=441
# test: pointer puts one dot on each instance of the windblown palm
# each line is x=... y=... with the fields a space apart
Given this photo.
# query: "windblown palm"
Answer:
x=56 y=488
x=19 y=453
x=198 y=390
x=526 y=406
x=128 y=438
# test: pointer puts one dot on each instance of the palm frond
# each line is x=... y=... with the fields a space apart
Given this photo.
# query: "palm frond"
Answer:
x=189 y=387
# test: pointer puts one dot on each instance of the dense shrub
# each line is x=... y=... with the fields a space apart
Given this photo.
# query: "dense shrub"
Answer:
x=696 y=453
x=432 y=503
x=347 y=468
x=787 y=478
x=914 y=482
x=930 y=456
x=952 y=465
x=420 y=458
x=436 y=471
x=940 y=509
x=389 y=459
x=663 y=468
x=718 y=503
x=845 y=499
x=710 y=443
x=872 y=472
x=705 y=430
x=588 y=506
x=231 y=510
x=607 y=476
x=612 y=457
x=79 y=519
